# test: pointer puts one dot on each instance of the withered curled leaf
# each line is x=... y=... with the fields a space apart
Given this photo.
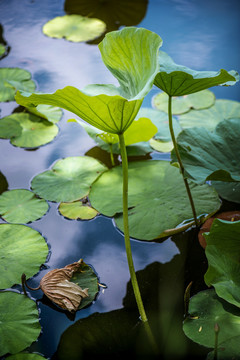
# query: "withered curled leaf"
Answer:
x=57 y=286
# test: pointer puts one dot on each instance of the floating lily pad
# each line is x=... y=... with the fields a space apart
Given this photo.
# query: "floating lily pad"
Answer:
x=207 y=309
x=180 y=105
x=161 y=146
x=210 y=155
x=12 y=79
x=77 y=210
x=68 y=180
x=35 y=130
x=26 y=356
x=22 y=250
x=209 y=118
x=222 y=251
x=48 y=112
x=3 y=183
x=9 y=128
x=178 y=80
x=21 y=206
x=158 y=202
x=2 y=49
x=19 y=323
x=74 y=28
x=228 y=190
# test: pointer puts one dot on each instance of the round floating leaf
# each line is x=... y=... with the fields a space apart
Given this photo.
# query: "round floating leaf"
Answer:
x=22 y=250
x=207 y=309
x=74 y=28
x=178 y=80
x=158 y=202
x=3 y=183
x=21 y=206
x=2 y=49
x=209 y=118
x=200 y=100
x=9 y=128
x=161 y=146
x=19 y=323
x=210 y=155
x=68 y=180
x=228 y=190
x=26 y=356
x=222 y=251
x=12 y=79
x=48 y=112
x=77 y=210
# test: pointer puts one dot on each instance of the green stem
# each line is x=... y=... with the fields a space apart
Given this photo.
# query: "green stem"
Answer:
x=111 y=155
x=180 y=160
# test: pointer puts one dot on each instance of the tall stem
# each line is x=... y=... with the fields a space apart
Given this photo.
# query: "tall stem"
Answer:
x=179 y=159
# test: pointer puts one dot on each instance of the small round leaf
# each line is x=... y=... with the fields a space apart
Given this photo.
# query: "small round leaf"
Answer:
x=76 y=210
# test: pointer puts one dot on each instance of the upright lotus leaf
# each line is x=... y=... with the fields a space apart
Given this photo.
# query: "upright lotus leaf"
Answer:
x=21 y=206
x=48 y=112
x=209 y=118
x=12 y=79
x=178 y=80
x=207 y=309
x=68 y=180
x=22 y=249
x=180 y=105
x=113 y=114
x=228 y=190
x=19 y=323
x=223 y=254
x=131 y=55
x=74 y=28
x=154 y=187
x=210 y=155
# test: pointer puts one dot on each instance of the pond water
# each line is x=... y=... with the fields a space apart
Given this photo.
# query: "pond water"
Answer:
x=201 y=35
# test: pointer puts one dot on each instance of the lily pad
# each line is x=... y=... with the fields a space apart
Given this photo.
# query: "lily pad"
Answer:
x=35 y=131
x=223 y=254
x=77 y=210
x=2 y=49
x=180 y=105
x=48 y=112
x=9 y=128
x=154 y=187
x=210 y=155
x=26 y=356
x=178 y=80
x=19 y=322
x=209 y=118
x=68 y=180
x=3 y=183
x=22 y=250
x=74 y=28
x=21 y=206
x=161 y=146
x=228 y=190
x=207 y=309
x=12 y=79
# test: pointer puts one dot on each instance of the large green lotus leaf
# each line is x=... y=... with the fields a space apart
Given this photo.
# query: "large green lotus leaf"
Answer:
x=131 y=54
x=178 y=80
x=9 y=128
x=228 y=190
x=74 y=28
x=68 y=180
x=12 y=79
x=180 y=105
x=21 y=206
x=223 y=254
x=112 y=114
x=22 y=250
x=210 y=155
x=158 y=202
x=19 y=322
x=207 y=309
x=76 y=210
x=209 y=118
x=48 y=112
x=26 y=356
x=35 y=131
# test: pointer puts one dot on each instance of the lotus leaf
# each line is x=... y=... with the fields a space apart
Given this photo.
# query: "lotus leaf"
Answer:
x=2 y=50
x=210 y=155
x=3 y=183
x=48 y=112
x=209 y=118
x=223 y=254
x=12 y=79
x=68 y=180
x=180 y=105
x=35 y=131
x=19 y=322
x=9 y=128
x=178 y=80
x=161 y=146
x=77 y=210
x=21 y=206
x=26 y=356
x=74 y=28
x=207 y=309
x=22 y=250
x=154 y=187
x=228 y=190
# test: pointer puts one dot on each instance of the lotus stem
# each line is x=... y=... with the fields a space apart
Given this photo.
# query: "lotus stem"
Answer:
x=24 y=283
x=216 y=330
x=187 y=299
x=111 y=155
x=180 y=160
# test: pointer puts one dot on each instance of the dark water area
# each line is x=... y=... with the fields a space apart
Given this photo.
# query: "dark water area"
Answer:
x=203 y=35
